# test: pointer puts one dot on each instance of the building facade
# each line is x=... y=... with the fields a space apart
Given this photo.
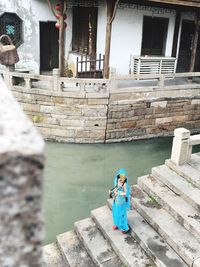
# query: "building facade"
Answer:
x=149 y=29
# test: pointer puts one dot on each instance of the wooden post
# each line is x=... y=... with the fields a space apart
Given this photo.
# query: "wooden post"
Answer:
x=61 y=40
x=111 y=11
x=63 y=6
x=195 y=43
x=176 y=33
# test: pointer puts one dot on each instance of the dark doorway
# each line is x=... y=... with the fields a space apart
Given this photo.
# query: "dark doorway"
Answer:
x=154 y=35
x=185 y=48
x=84 y=30
x=49 y=49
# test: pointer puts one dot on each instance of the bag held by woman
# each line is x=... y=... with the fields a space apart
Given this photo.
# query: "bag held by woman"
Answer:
x=8 y=52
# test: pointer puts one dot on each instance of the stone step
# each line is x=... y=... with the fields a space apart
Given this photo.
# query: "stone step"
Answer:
x=124 y=245
x=183 y=242
x=151 y=242
x=73 y=250
x=184 y=213
x=96 y=245
x=178 y=184
x=187 y=171
x=195 y=162
x=53 y=257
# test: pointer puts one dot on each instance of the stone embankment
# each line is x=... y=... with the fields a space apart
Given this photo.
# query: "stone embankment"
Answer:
x=97 y=110
x=164 y=221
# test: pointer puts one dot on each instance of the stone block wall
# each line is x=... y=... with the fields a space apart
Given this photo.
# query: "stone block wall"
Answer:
x=145 y=114
x=66 y=117
x=121 y=115
x=21 y=171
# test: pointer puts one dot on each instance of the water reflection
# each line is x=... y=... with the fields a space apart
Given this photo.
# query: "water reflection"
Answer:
x=78 y=176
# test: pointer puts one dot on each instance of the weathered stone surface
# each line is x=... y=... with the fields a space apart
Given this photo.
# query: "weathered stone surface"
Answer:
x=186 y=171
x=152 y=243
x=179 y=185
x=159 y=110
x=22 y=163
x=125 y=246
x=73 y=250
x=53 y=256
x=183 y=242
x=96 y=245
x=160 y=104
x=184 y=213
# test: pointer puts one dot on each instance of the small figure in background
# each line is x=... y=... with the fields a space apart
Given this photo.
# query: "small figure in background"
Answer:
x=121 y=201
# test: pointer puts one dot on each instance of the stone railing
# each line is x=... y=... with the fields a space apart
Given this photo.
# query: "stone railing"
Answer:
x=55 y=83
x=161 y=78
x=22 y=164
x=83 y=86
x=182 y=145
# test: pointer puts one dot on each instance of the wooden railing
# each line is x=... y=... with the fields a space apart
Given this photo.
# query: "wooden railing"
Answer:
x=90 y=68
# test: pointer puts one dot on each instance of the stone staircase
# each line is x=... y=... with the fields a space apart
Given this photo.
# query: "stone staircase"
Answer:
x=164 y=222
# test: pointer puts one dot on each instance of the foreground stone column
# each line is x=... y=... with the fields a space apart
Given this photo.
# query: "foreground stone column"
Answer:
x=21 y=171
x=180 y=146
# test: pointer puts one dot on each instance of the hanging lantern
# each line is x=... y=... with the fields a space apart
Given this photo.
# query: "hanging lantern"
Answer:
x=57 y=25
x=57 y=7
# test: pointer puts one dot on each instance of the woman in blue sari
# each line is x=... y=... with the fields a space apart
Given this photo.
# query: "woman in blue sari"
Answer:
x=121 y=201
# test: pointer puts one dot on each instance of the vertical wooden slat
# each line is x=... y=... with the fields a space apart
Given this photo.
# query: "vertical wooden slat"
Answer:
x=99 y=61
x=77 y=71
x=195 y=42
x=81 y=63
x=176 y=33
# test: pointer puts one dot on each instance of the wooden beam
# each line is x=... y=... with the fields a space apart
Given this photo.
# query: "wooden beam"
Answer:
x=178 y=2
x=176 y=33
x=195 y=43
x=111 y=11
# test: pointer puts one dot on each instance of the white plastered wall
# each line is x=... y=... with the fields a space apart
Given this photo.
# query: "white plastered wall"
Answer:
x=127 y=36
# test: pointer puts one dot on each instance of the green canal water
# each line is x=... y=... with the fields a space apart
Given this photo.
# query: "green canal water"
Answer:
x=78 y=176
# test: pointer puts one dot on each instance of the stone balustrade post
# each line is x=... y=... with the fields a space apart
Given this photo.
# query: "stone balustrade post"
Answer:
x=27 y=83
x=161 y=80
x=7 y=76
x=56 y=75
x=112 y=77
x=181 y=146
x=21 y=179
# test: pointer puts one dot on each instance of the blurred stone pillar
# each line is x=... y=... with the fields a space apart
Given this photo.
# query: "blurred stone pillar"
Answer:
x=21 y=179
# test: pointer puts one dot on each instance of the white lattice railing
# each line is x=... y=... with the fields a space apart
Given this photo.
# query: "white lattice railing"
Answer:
x=153 y=65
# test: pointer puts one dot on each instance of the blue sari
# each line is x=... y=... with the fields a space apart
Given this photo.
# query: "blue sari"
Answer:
x=121 y=204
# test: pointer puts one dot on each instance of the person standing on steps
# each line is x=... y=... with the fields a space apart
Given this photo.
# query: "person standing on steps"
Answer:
x=121 y=201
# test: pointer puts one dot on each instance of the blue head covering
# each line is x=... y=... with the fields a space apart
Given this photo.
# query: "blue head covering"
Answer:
x=122 y=171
